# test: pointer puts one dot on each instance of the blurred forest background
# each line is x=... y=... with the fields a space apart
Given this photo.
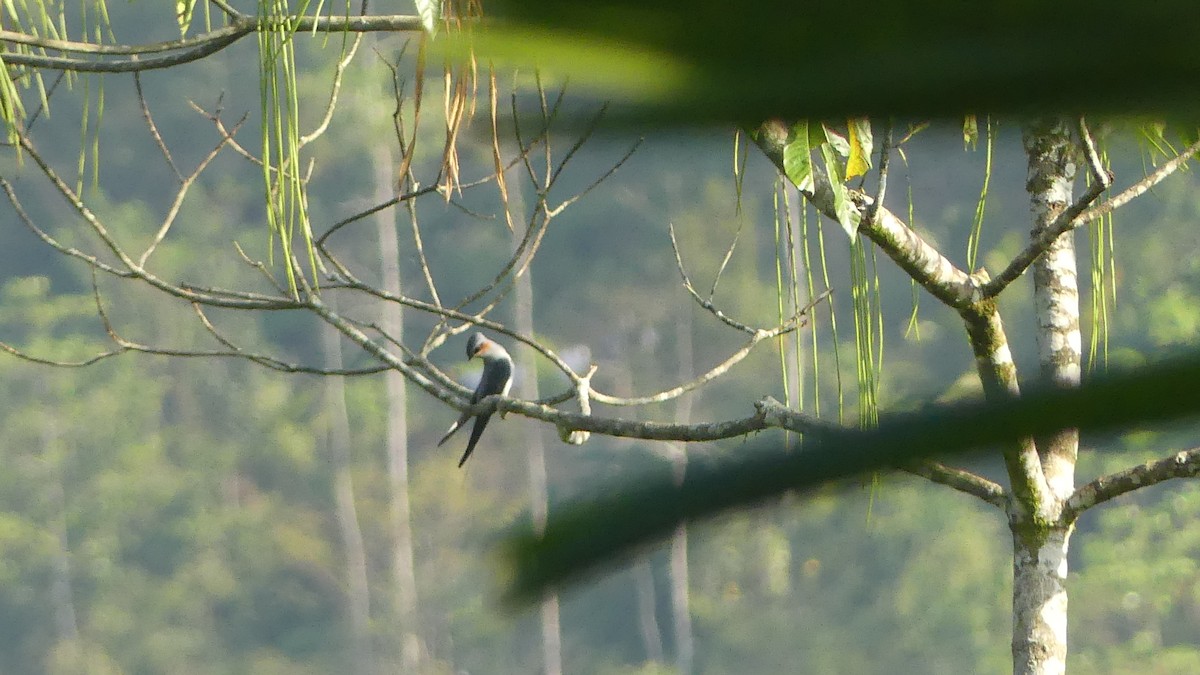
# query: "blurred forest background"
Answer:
x=163 y=515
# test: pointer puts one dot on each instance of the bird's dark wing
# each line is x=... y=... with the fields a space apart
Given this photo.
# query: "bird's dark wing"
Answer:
x=496 y=376
x=476 y=432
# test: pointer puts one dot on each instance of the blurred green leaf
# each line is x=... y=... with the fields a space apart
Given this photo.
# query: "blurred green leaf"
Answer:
x=911 y=58
x=588 y=534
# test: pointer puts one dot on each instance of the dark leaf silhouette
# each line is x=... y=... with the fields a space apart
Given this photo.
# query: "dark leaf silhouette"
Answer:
x=587 y=534
x=700 y=62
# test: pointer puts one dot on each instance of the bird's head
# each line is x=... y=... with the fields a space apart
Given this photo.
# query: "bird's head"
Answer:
x=477 y=345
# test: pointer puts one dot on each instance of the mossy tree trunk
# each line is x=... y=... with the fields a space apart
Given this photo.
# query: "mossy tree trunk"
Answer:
x=1039 y=642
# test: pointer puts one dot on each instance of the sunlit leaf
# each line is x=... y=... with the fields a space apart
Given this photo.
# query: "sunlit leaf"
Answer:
x=860 y=142
x=183 y=14
x=837 y=140
x=430 y=12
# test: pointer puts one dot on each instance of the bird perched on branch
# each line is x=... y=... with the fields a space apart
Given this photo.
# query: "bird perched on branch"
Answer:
x=496 y=379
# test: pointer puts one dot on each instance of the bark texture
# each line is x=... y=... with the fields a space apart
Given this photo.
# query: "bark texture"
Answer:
x=1052 y=168
x=1039 y=643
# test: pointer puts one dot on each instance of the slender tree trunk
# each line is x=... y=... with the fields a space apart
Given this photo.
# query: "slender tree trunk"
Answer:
x=643 y=570
x=357 y=593
x=681 y=611
x=66 y=627
x=1039 y=642
x=647 y=604
x=404 y=578
x=526 y=386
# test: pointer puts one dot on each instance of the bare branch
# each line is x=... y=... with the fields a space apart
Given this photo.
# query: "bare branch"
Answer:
x=132 y=269
x=184 y=185
x=215 y=118
x=962 y=481
x=1139 y=188
x=1184 y=464
x=320 y=241
x=607 y=174
x=586 y=133
x=687 y=284
x=1081 y=213
x=718 y=370
x=1099 y=173
x=338 y=75
x=885 y=156
x=69 y=251
x=260 y=359
x=188 y=49
x=568 y=422
x=262 y=269
x=225 y=7
x=57 y=363
x=468 y=320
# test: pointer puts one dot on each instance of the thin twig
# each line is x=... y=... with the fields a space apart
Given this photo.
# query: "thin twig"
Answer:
x=885 y=156
x=24 y=356
x=706 y=304
x=336 y=87
x=184 y=186
x=162 y=147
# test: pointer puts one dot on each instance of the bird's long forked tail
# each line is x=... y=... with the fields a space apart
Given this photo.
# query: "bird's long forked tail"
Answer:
x=476 y=432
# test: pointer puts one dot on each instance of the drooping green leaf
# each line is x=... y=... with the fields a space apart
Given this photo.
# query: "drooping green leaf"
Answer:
x=847 y=215
x=797 y=157
x=970 y=132
x=590 y=533
x=861 y=143
x=838 y=141
x=183 y=14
